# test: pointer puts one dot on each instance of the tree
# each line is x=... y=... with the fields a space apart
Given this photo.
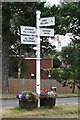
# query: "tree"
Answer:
x=56 y=62
x=10 y=37
x=47 y=50
x=13 y=67
x=69 y=22
x=69 y=54
x=6 y=36
x=76 y=40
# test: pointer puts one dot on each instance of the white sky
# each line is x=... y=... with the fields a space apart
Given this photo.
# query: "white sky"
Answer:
x=51 y=2
x=62 y=41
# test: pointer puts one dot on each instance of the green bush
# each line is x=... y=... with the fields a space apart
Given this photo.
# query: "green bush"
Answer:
x=56 y=74
x=56 y=62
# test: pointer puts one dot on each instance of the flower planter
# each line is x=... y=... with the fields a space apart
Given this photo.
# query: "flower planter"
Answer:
x=48 y=102
x=27 y=104
x=28 y=99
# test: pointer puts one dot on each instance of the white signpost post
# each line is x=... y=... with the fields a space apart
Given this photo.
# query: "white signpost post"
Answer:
x=31 y=35
x=38 y=55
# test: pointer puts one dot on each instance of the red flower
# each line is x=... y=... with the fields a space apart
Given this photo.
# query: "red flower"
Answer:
x=28 y=88
x=44 y=89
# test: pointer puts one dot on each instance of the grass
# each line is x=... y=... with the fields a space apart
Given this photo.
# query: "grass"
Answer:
x=59 y=109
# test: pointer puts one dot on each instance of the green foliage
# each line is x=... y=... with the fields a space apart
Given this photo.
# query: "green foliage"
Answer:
x=65 y=74
x=13 y=67
x=24 y=67
x=72 y=51
x=56 y=62
x=56 y=74
x=70 y=55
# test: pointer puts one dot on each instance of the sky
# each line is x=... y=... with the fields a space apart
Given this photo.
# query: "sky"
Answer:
x=60 y=40
x=51 y=2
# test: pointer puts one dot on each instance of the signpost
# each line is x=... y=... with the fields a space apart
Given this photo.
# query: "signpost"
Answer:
x=48 y=21
x=28 y=30
x=38 y=55
x=31 y=35
x=46 y=32
x=28 y=39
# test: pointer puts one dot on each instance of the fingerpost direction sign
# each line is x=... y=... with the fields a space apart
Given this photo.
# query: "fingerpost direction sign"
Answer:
x=46 y=32
x=26 y=30
x=47 y=21
x=28 y=39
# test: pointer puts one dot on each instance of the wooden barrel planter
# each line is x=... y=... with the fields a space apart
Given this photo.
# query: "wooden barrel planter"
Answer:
x=48 y=102
x=27 y=104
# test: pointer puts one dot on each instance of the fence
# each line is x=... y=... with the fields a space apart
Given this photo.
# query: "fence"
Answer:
x=16 y=85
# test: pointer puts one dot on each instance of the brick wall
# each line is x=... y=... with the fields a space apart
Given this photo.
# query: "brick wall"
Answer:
x=31 y=68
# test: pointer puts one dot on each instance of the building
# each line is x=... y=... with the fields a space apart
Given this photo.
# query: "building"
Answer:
x=31 y=68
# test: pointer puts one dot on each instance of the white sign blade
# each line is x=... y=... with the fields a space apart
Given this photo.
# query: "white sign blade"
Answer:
x=46 y=32
x=28 y=30
x=28 y=40
x=48 y=21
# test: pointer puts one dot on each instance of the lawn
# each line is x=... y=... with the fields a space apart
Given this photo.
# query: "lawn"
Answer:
x=59 y=109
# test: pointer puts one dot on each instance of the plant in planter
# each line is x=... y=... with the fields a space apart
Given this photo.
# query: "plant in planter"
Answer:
x=47 y=98
x=27 y=99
